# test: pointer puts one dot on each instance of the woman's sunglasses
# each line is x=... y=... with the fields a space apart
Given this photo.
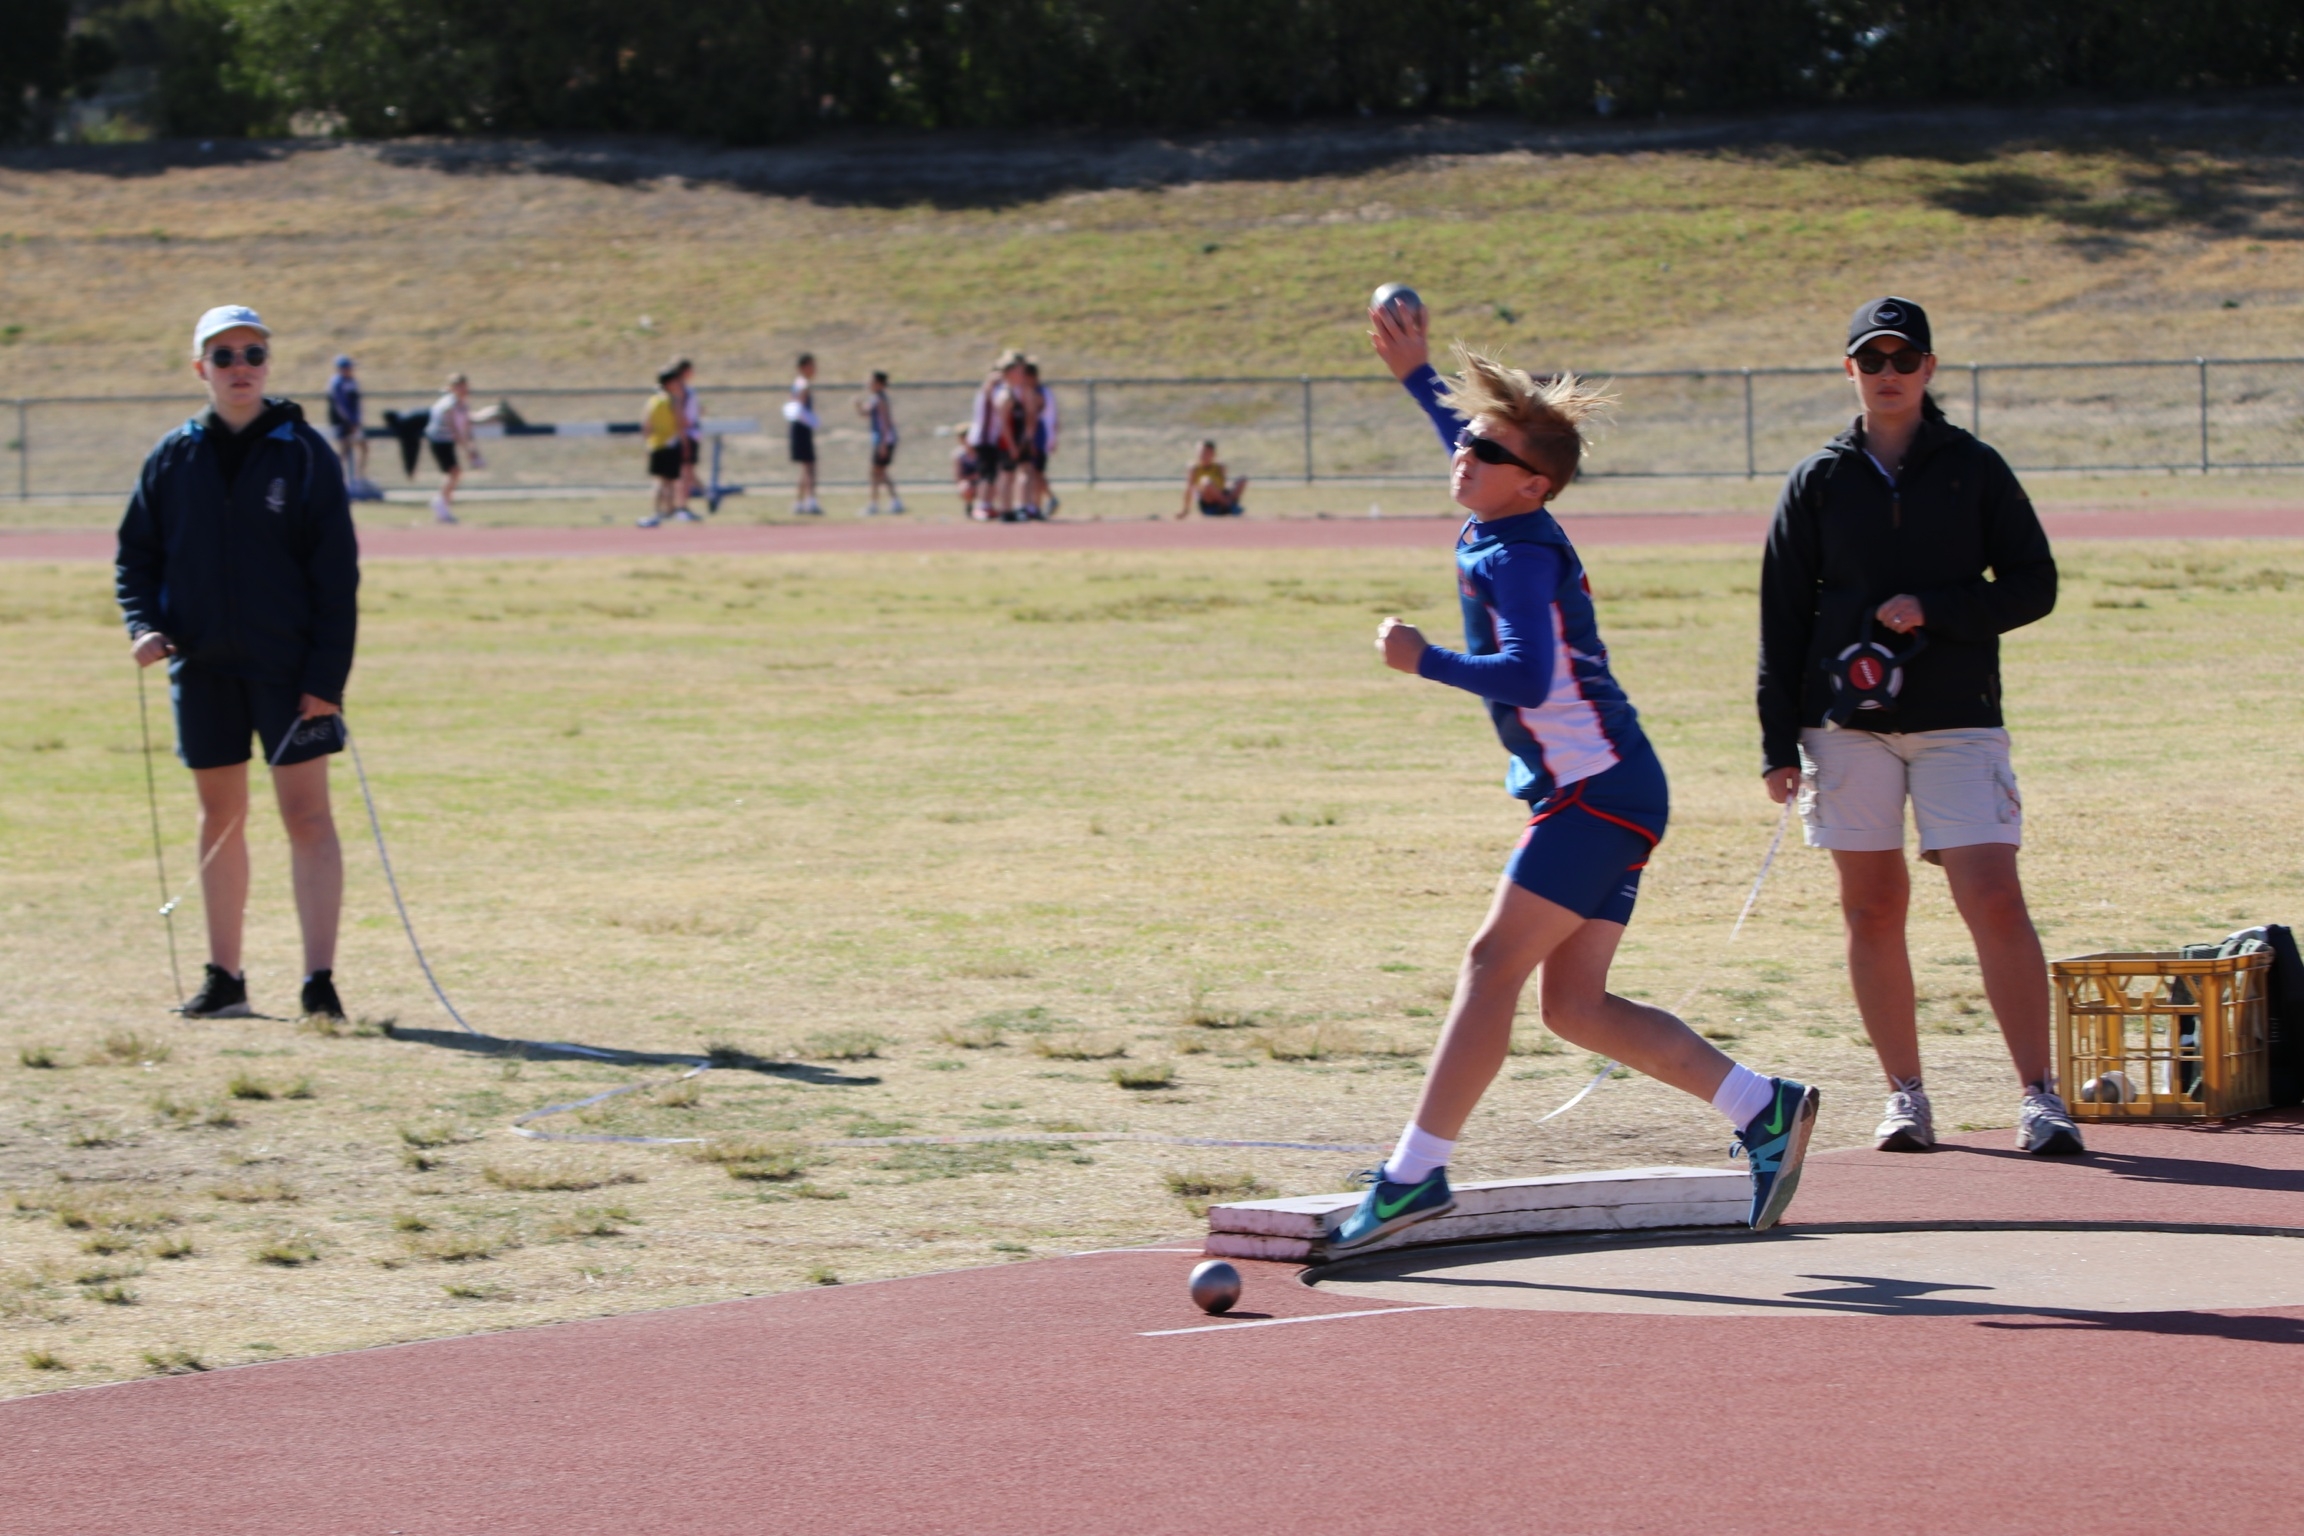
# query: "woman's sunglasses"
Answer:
x=1906 y=361
x=254 y=355
x=1488 y=451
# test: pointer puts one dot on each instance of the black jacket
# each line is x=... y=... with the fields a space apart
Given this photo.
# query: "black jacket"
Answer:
x=1845 y=541
x=253 y=569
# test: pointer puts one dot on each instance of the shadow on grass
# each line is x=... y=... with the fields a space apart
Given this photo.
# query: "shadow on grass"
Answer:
x=546 y=1050
x=993 y=170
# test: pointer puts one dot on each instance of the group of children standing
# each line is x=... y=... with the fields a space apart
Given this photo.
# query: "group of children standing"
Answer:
x=1000 y=466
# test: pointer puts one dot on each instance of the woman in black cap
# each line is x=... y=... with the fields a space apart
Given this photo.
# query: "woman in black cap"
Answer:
x=1900 y=554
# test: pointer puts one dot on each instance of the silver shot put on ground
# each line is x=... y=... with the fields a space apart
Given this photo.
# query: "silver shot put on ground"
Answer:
x=1215 y=1286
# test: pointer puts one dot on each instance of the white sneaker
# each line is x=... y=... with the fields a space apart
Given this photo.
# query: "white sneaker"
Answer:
x=441 y=511
x=895 y=506
x=2044 y=1126
x=1909 y=1125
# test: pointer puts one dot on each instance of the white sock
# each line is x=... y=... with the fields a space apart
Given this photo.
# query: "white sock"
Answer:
x=1417 y=1155
x=1742 y=1094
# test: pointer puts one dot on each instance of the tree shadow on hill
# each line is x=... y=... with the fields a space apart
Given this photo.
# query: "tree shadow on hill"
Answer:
x=722 y=1059
x=993 y=170
x=153 y=157
x=2157 y=188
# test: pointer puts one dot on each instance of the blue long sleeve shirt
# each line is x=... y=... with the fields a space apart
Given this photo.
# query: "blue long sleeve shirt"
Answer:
x=1532 y=652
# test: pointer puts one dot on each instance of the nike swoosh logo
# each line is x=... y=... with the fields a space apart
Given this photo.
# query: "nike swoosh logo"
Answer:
x=1386 y=1212
x=1776 y=1118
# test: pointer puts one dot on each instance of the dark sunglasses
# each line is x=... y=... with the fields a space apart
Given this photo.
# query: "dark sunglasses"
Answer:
x=1906 y=361
x=254 y=355
x=1489 y=451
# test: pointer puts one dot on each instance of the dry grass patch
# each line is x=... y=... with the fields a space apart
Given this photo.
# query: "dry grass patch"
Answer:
x=173 y=1360
x=253 y=1191
x=40 y=1058
x=287 y=1250
x=1143 y=1075
x=1079 y=1048
x=557 y=1176
x=464 y=1247
x=44 y=1360
x=592 y=1221
x=841 y=1045
x=1199 y=1188
x=1311 y=1042
x=127 y=1048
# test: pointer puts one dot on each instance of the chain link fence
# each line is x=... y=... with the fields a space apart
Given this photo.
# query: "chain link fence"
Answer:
x=2196 y=415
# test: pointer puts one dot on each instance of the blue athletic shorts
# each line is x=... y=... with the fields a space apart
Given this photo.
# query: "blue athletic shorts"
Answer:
x=217 y=712
x=1585 y=860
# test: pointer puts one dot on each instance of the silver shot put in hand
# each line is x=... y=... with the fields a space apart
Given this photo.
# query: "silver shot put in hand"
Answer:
x=1398 y=297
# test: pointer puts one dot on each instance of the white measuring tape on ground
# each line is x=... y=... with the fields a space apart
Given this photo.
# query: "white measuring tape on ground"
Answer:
x=1783 y=821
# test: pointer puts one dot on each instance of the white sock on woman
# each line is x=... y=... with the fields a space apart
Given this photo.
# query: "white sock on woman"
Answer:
x=1417 y=1155
x=1742 y=1094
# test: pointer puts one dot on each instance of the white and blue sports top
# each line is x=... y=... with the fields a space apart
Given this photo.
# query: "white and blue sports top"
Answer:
x=1532 y=651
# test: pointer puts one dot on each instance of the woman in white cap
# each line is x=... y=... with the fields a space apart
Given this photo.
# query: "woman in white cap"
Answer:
x=1900 y=554
x=237 y=565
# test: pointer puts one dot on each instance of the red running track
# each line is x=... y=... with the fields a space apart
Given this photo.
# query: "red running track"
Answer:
x=1029 y=1399
x=388 y=542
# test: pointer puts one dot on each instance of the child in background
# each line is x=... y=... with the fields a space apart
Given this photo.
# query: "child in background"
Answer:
x=447 y=430
x=663 y=426
x=964 y=470
x=1596 y=792
x=800 y=412
x=880 y=417
x=997 y=432
x=351 y=435
x=691 y=435
x=1039 y=495
x=1204 y=482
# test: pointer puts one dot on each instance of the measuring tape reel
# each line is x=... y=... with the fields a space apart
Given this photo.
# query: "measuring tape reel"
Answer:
x=1868 y=675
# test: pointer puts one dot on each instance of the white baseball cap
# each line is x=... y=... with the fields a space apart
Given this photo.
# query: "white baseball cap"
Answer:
x=226 y=317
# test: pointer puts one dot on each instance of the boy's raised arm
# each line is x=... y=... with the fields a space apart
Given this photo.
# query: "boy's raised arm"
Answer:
x=1402 y=341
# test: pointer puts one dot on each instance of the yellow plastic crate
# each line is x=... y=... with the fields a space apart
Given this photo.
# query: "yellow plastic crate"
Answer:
x=2190 y=1036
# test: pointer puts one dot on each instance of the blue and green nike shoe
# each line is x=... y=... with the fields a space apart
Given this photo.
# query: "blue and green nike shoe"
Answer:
x=1777 y=1142
x=1387 y=1207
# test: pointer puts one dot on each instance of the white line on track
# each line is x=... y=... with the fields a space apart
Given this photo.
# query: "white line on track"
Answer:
x=1089 y=1253
x=1275 y=1322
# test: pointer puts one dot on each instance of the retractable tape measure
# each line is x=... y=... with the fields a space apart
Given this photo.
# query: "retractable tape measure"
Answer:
x=1868 y=675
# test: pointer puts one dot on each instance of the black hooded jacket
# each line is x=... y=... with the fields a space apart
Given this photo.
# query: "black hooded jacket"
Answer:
x=239 y=548
x=1845 y=541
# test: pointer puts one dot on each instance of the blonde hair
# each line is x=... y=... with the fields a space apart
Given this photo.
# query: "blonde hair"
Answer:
x=1547 y=414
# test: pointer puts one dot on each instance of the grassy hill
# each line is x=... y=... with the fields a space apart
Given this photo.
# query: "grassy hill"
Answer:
x=2054 y=234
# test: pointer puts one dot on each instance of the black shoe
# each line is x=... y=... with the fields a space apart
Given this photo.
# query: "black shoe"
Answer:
x=221 y=996
x=320 y=996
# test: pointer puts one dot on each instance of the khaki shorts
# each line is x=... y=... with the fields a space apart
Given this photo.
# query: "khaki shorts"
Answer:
x=1853 y=785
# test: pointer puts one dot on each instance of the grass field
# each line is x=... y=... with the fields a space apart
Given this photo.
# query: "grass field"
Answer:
x=2151 y=232
x=938 y=847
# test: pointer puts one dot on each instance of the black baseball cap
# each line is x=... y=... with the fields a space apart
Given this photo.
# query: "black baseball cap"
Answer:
x=1900 y=318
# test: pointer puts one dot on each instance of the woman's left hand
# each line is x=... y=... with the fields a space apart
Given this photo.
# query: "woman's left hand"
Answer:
x=312 y=707
x=1901 y=613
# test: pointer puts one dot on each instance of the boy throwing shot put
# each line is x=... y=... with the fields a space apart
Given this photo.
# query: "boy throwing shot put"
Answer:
x=1596 y=793
x=238 y=566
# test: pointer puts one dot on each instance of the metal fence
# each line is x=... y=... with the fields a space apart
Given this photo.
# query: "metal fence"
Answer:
x=2196 y=415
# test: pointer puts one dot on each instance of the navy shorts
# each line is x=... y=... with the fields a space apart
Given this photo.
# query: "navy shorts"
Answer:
x=216 y=713
x=1587 y=861
x=803 y=439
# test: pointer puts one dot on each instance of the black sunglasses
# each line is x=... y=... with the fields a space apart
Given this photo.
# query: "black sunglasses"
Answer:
x=255 y=355
x=1488 y=451
x=1906 y=361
